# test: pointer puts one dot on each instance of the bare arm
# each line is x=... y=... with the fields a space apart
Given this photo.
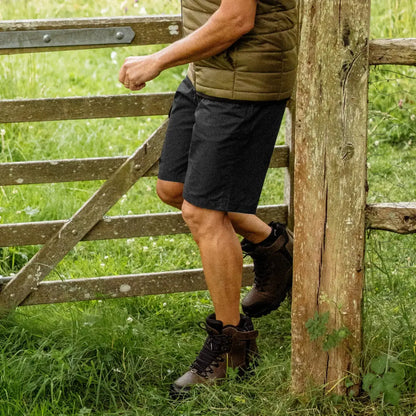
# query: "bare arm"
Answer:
x=232 y=20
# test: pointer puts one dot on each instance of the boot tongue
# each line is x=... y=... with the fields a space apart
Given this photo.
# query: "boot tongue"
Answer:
x=245 y=324
x=214 y=324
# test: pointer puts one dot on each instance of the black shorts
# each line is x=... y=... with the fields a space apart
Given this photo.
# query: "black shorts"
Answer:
x=219 y=149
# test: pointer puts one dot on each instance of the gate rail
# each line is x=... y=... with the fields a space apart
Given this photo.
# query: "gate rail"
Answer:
x=90 y=223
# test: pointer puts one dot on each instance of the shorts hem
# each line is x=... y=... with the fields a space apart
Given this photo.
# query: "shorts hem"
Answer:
x=171 y=178
x=202 y=203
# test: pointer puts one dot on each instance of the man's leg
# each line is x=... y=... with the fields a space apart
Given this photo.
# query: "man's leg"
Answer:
x=231 y=340
x=269 y=246
x=221 y=257
x=248 y=226
x=171 y=193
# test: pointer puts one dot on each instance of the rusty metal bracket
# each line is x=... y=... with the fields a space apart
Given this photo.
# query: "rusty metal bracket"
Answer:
x=66 y=37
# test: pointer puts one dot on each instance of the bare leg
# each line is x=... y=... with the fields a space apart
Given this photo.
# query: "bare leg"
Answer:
x=248 y=226
x=170 y=192
x=221 y=259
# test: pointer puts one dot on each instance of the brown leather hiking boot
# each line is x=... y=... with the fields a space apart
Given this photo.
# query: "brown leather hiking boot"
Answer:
x=225 y=347
x=272 y=272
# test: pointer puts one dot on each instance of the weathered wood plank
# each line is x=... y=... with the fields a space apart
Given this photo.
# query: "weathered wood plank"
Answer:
x=330 y=192
x=76 y=108
x=117 y=227
x=393 y=52
x=289 y=173
x=280 y=157
x=111 y=287
x=64 y=170
x=149 y=30
x=397 y=217
x=88 y=169
x=46 y=259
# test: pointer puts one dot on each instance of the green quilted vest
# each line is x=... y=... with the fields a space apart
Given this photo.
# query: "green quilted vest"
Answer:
x=260 y=66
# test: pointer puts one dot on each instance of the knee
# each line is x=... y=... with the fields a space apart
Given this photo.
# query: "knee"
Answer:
x=170 y=192
x=192 y=216
x=203 y=223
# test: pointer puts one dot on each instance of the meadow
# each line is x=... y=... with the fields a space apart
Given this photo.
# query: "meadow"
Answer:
x=118 y=357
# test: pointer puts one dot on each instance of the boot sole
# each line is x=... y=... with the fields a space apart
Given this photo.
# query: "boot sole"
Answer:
x=253 y=312
x=176 y=393
x=261 y=312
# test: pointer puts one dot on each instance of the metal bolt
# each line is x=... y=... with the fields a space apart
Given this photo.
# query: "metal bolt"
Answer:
x=47 y=38
x=74 y=232
x=137 y=167
x=119 y=35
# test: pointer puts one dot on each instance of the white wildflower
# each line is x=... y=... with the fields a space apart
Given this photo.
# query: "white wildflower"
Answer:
x=31 y=211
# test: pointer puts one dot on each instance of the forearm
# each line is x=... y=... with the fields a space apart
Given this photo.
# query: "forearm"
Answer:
x=232 y=20
x=209 y=40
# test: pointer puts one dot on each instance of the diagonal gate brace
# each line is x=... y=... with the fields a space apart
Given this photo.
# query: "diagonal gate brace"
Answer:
x=46 y=259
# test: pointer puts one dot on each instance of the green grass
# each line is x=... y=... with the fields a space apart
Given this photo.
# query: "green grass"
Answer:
x=119 y=357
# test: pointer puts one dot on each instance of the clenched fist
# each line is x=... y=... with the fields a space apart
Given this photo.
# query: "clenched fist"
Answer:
x=137 y=70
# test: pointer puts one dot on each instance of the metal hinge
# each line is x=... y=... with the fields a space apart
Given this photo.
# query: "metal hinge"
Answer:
x=66 y=37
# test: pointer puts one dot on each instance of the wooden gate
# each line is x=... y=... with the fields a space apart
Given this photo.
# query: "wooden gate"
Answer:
x=88 y=223
x=325 y=153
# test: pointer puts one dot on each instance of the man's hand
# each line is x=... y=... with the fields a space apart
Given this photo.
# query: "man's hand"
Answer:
x=137 y=70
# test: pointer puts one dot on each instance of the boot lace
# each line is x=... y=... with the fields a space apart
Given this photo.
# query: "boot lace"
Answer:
x=211 y=353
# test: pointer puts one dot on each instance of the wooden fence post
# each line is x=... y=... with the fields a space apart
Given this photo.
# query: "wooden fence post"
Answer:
x=330 y=193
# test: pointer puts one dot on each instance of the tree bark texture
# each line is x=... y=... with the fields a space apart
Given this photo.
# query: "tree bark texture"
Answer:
x=330 y=190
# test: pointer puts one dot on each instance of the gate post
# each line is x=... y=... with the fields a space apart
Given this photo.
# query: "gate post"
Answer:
x=330 y=193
